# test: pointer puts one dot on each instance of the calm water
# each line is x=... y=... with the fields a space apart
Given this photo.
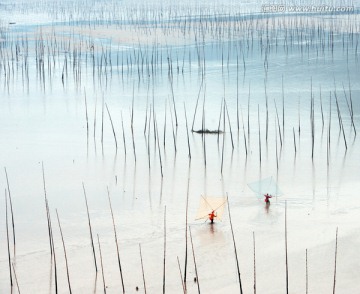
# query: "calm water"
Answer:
x=238 y=54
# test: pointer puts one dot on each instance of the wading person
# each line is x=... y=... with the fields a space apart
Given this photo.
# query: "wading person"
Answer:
x=267 y=198
x=212 y=215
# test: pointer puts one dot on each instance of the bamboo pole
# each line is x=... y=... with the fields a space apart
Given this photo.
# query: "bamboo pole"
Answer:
x=47 y=211
x=123 y=131
x=112 y=126
x=193 y=251
x=142 y=269
x=91 y=234
x=197 y=101
x=235 y=250
x=187 y=132
x=66 y=260
x=307 y=273
x=7 y=239
x=158 y=145
x=182 y=282
x=16 y=280
x=286 y=251
x=11 y=208
x=259 y=134
x=335 y=264
x=231 y=136
x=254 y=263
x=164 y=267
x=116 y=241
x=101 y=263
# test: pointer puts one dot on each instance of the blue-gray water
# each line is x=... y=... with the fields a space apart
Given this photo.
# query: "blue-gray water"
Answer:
x=140 y=62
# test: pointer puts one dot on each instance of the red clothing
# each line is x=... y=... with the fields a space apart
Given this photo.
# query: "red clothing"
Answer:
x=267 y=197
x=212 y=215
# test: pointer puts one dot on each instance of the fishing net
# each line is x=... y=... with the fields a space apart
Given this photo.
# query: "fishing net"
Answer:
x=208 y=204
x=265 y=186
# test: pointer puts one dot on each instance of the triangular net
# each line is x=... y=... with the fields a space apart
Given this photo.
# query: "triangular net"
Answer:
x=265 y=186
x=208 y=204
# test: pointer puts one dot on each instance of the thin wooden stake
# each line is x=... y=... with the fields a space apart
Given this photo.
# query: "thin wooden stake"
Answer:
x=231 y=136
x=286 y=251
x=7 y=238
x=101 y=262
x=235 y=251
x=307 y=273
x=47 y=211
x=336 y=247
x=16 y=280
x=112 y=125
x=182 y=282
x=11 y=208
x=196 y=272
x=164 y=268
x=123 y=131
x=116 y=241
x=187 y=132
x=197 y=101
x=91 y=235
x=66 y=261
x=142 y=268
x=254 y=264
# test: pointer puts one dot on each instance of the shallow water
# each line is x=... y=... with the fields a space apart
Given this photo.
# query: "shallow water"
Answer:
x=44 y=122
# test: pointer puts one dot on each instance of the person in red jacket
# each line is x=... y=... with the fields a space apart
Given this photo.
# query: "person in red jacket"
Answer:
x=267 y=198
x=212 y=215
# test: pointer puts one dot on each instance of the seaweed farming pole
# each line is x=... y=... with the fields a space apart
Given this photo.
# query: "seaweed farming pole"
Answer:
x=87 y=118
x=112 y=126
x=223 y=145
x=259 y=134
x=47 y=211
x=66 y=260
x=197 y=102
x=16 y=280
x=336 y=242
x=133 y=138
x=193 y=252
x=142 y=269
x=7 y=239
x=235 y=251
x=267 y=112
x=158 y=144
x=254 y=263
x=203 y=134
x=283 y=106
x=173 y=98
x=294 y=140
x=237 y=92
x=11 y=208
x=123 y=131
x=164 y=268
x=307 y=274
x=218 y=130
x=231 y=136
x=248 y=117
x=186 y=227
x=286 y=251
x=242 y=119
x=182 y=282
x=116 y=241
x=173 y=131
x=102 y=267
x=91 y=235
x=350 y=108
x=340 y=120
x=187 y=132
